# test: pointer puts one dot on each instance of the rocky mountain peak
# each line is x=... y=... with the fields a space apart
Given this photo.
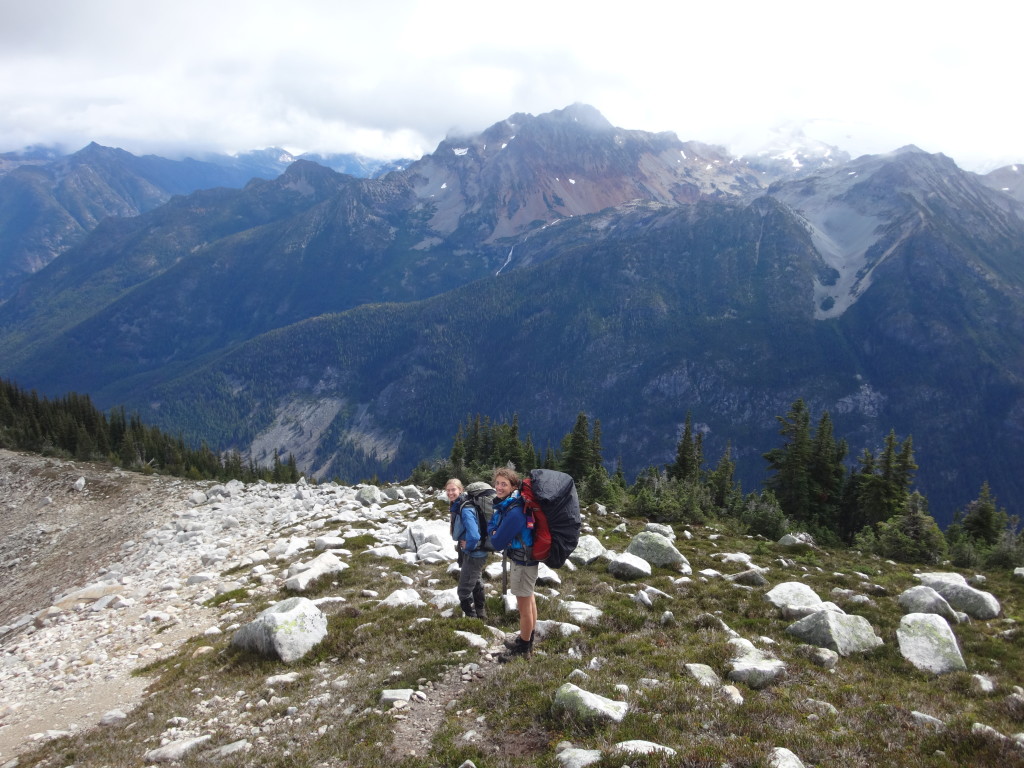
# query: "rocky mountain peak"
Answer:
x=309 y=179
x=529 y=171
x=1009 y=179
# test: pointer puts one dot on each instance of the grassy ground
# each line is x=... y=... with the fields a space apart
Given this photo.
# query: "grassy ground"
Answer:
x=224 y=692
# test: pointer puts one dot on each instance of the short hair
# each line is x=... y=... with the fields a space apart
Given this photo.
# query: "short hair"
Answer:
x=456 y=482
x=508 y=474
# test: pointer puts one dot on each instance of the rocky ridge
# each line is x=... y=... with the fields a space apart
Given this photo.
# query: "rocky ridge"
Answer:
x=190 y=549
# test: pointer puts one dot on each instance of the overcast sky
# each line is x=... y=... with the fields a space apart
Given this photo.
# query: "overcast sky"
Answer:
x=392 y=78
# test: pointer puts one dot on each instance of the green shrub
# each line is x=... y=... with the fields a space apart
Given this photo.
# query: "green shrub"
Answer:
x=965 y=554
x=1007 y=553
x=762 y=515
x=913 y=537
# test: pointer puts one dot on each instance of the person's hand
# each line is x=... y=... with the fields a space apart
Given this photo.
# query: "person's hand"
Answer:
x=462 y=543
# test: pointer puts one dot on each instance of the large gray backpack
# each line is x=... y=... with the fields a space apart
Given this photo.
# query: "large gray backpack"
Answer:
x=481 y=496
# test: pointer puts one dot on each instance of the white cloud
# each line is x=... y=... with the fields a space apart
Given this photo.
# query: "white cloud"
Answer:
x=394 y=78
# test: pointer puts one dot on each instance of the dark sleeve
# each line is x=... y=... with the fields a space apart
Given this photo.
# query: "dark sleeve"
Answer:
x=512 y=522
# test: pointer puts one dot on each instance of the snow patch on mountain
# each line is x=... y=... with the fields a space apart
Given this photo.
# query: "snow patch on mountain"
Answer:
x=842 y=236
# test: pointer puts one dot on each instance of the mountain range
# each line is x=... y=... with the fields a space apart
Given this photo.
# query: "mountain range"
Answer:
x=548 y=265
x=50 y=201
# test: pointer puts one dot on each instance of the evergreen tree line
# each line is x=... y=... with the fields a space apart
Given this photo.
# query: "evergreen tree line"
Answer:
x=72 y=427
x=871 y=505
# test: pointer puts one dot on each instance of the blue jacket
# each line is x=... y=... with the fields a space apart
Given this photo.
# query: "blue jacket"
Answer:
x=508 y=528
x=464 y=525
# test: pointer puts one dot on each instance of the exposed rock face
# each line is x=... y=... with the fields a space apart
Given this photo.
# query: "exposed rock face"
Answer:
x=561 y=164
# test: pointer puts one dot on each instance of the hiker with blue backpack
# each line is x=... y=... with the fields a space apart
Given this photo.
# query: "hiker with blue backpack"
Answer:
x=509 y=532
x=468 y=523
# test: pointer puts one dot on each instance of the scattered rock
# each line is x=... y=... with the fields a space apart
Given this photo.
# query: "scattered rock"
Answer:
x=287 y=630
x=113 y=717
x=922 y=599
x=927 y=721
x=322 y=565
x=641 y=747
x=587 y=550
x=584 y=613
x=658 y=550
x=797 y=541
x=629 y=566
x=752 y=666
x=704 y=675
x=927 y=642
x=793 y=593
x=175 y=750
x=961 y=596
x=839 y=632
x=588 y=706
x=783 y=758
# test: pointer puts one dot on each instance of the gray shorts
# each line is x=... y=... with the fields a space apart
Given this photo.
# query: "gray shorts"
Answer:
x=522 y=579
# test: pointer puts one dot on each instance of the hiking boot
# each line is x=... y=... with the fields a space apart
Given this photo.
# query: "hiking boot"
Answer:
x=518 y=641
x=468 y=608
x=479 y=601
x=518 y=647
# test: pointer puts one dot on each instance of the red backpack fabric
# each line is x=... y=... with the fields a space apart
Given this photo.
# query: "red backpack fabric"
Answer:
x=552 y=510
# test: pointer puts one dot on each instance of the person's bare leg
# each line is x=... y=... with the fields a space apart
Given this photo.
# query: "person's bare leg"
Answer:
x=527 y=616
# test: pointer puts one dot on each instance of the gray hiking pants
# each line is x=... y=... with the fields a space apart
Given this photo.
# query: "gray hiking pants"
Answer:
x=469 y=576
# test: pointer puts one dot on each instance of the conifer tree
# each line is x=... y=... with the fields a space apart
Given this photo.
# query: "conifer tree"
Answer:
x=827 y=474
x=458 y=454
x=791 y=481
x=686 y=465
x=530 y=458
x=576 y=458
x=720 y=481
x=982 y=520
x=620 y=476
x=596 y=460
x=550 y=459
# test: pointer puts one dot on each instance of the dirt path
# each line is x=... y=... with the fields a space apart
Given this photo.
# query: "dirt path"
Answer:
x=54 y=539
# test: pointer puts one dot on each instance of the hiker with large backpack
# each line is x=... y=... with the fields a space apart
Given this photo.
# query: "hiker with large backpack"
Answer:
x=509 y=532
x=468 y=518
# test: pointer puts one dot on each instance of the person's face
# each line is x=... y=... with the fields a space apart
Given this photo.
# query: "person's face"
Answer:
x=452 y=491
x=502 y=487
